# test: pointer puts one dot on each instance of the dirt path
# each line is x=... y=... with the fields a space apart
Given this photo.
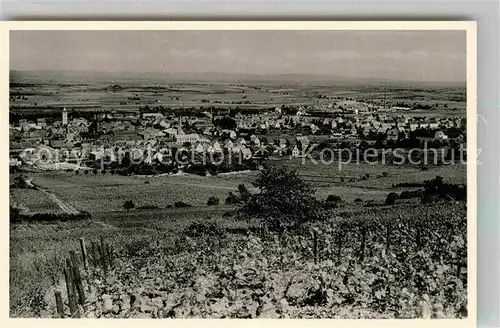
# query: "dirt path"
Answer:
x=64 y=206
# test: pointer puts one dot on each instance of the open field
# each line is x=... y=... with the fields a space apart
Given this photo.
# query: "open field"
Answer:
x=38 y=91
x=107 y=193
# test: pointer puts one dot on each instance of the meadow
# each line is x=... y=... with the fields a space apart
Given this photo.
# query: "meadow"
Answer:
x=98 y=193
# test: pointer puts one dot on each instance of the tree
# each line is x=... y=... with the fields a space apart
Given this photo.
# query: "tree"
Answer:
x=391 y=198
x=285 y=200
x=232 y=199
x=128 y=205
x=244 y=193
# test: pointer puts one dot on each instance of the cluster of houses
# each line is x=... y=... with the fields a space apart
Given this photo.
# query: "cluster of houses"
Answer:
x=160 y=137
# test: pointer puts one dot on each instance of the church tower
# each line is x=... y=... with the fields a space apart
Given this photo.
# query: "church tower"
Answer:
x=179 y=128
x=64 y=116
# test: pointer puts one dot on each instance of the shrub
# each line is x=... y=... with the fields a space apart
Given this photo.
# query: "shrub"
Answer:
x=76 y=172
x=408 y=194
x=86 y=171
x=16 y=217
x=436 y=189
x=244 y=193
x=358 y=200
x=232 y=199
x=334 y=198
x=94 y=171
x=103 y=171
x=181 y=204
x=391 y=198
x=213 y=201
x=128 y=205
x=206 y=229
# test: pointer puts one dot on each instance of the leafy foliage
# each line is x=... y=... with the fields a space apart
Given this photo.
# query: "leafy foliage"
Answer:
x=285 y=200
x=128 y=205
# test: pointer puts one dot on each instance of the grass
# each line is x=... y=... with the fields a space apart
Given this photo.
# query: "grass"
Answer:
x=33 y=201
x=107 y=193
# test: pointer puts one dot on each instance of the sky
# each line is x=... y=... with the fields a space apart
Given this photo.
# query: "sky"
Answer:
x=438 y=56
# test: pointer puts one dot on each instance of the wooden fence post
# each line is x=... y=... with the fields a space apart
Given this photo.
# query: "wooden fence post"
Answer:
x=102 y=251
x=109 y=252
x=95 y=255
x=315 y=245
x=84 y=254
x=78 y=279
x=59 y=304
x=419 y=242
x=70 y=289
x=363 y=241
x=387 y=237
x=339 y=249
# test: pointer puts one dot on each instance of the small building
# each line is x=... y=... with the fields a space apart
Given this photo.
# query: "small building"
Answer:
x=440 y=135
x=393 y=134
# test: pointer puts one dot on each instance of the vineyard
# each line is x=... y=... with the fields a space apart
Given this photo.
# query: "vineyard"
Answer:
x=393 y=262
x=33 y=201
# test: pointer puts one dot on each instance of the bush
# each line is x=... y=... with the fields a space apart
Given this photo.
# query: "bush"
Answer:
x=244 y=193
x=334 y=199
x=391 y=198
x=232 y=199
x=76 y=172
x=436 y=189
x=358 y=200
x=128 y=205
x=86 y=171
x=16 y=217
x=213 y=201
x=181 y=204
x=408 y=194
x=206 y=229
x=94 y=171
x=103 y=171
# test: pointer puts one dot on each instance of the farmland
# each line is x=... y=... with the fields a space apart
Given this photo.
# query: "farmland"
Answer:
x=421 y=259
x=39 y=91
x=98 y=193
x=36 y=248
x=207 y=276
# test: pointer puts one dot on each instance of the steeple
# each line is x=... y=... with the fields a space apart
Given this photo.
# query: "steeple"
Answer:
x=179 y=128
x=64 y=116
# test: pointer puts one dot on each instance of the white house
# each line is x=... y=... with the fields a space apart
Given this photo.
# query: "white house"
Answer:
x=295 y=151
x=440 y=135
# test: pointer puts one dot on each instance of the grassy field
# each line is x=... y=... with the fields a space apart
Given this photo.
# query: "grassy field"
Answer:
x=107 y=193
x=33 y=201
